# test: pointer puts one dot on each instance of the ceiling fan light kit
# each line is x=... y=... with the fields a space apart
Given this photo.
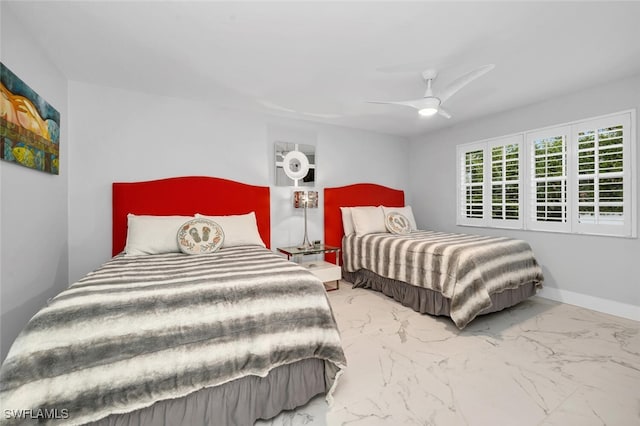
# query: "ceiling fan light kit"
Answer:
x=429 y=106
x=430 y=103
x=428 y=112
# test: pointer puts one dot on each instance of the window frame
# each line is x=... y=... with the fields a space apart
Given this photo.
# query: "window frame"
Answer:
x=527 y=194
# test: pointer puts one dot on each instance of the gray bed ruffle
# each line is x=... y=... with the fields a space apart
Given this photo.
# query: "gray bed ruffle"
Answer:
x=240 y=402
x=431 y=302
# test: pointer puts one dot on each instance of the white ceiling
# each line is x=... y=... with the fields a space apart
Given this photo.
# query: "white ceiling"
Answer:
x=321 y=61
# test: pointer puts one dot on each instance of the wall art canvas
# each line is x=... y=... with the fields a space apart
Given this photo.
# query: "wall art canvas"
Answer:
x=29 y=126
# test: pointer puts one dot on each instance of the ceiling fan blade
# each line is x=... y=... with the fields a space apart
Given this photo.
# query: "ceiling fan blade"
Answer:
x=413 y=103
x=321 y=114
x=444 y=113
x=293 y=111
x=275 y=106
x=462 y=81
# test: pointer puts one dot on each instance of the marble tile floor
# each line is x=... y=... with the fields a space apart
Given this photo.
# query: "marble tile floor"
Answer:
x=538 y=363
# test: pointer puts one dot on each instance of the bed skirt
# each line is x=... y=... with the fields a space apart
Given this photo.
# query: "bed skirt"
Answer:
x=240 y=402
x=427 y=301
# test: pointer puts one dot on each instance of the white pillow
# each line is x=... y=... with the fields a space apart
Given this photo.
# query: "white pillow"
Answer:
x=404 y=211
x=153 y=234
x=239 y=230
x=368 y=220
x=347 y=221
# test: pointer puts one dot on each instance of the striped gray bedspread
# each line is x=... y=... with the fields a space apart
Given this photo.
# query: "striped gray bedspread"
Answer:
x=464 y=268
x=149 y=328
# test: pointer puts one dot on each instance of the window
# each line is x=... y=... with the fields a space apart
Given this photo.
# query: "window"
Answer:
x=471 y=182
x=548 y=196
x=492 y=168
x=506 y=210
x=578 y=179
x=603 y=200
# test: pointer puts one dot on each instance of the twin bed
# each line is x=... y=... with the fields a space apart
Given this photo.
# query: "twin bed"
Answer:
x=239 y=334
x=456 y=275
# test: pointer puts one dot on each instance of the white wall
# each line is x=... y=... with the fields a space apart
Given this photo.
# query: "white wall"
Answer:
x=602 y=273
x=33 y=204
x=119 y=135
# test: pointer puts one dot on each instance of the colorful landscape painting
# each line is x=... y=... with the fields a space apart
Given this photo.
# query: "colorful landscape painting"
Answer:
x=29 y=126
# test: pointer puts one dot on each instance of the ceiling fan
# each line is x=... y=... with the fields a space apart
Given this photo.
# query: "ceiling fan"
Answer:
x=431 y=103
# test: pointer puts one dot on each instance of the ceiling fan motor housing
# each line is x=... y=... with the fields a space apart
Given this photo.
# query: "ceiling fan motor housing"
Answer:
x=429 y=106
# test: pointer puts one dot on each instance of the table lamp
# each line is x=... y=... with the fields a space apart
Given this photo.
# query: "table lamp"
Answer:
x=305 y=200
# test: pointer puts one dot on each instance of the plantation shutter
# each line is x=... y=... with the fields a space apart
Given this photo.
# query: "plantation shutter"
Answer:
x=603 y=193
x=574 y=178
x=471 y=181
x=505 y=175
x=548 y=196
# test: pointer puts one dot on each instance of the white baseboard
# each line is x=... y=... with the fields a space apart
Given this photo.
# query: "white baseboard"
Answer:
x=590 y=302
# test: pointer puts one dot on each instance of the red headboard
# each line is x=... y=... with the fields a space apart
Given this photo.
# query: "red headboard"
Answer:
x=359 y=194
x=188 y=196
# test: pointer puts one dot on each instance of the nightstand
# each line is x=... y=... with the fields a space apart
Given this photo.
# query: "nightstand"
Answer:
x=326 y=271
